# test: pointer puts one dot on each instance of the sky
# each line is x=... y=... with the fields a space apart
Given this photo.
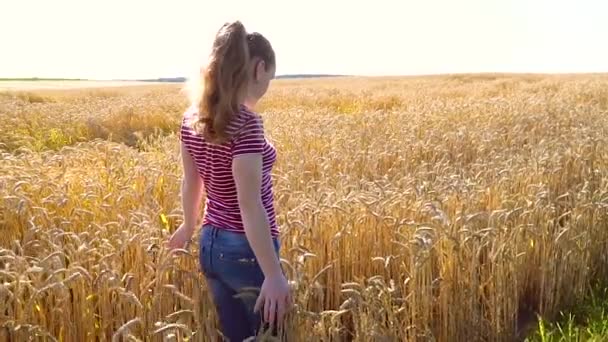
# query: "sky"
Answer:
x=130 y=39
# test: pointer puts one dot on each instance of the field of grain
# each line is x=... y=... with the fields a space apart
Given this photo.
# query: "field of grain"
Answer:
x=450 y=208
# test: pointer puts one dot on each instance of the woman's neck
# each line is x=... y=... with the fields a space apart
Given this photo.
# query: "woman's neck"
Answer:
x=250 y=102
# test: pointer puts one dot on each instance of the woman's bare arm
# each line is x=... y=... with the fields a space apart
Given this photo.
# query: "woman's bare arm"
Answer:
x=192 y=191
x=247 y=170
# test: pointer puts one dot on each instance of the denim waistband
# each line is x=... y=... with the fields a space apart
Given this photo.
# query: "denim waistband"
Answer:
x=215 y=232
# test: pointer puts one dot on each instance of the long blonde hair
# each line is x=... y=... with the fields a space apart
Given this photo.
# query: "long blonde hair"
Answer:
x=225 y=78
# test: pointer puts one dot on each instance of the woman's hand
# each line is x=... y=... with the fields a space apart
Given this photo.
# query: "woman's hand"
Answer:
x=275 y=298
x=181 y=237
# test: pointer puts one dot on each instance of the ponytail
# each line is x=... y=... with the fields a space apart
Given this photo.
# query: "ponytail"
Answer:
x=225 y=80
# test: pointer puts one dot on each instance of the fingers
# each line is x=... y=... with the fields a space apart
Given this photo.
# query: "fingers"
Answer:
x=281 y=310
x=273 y=312
x=259 y=302
x=267 y=308
x=171 y=243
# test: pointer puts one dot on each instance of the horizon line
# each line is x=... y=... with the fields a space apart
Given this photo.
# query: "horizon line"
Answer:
x=180 y=79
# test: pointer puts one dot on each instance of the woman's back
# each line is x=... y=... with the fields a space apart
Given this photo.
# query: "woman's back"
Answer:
x=214 y=165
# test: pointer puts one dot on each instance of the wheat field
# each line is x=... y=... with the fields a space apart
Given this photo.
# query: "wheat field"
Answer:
x=444 y=208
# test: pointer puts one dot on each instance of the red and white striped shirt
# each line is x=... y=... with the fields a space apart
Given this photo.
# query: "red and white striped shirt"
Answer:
x=214 y=165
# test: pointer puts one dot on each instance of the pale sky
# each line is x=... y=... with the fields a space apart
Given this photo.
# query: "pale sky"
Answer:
x=147 y=38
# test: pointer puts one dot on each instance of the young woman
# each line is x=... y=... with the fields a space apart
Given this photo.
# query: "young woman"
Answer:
x=226 y=155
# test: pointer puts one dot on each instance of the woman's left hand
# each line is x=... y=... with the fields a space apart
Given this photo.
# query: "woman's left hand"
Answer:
x=181 y=237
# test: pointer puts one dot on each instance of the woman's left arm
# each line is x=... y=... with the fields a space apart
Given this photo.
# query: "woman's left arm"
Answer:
x=192 y=192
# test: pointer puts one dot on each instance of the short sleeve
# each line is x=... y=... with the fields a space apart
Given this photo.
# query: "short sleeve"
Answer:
x=186 y=125
x=250 y=138
x=182 y=130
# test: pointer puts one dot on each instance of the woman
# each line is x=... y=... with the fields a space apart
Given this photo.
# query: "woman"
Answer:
x=225 y=153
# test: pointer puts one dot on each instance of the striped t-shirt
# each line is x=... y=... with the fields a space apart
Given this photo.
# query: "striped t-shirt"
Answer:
x=214 y=164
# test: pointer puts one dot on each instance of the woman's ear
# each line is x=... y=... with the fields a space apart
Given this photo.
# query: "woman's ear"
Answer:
x=260 y=67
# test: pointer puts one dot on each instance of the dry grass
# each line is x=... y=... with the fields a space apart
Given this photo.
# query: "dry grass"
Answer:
x=441 y=208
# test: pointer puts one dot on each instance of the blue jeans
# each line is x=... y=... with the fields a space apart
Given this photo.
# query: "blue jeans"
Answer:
x=234 y=278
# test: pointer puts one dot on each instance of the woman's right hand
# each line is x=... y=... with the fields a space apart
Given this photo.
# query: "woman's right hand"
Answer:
x=275 y=299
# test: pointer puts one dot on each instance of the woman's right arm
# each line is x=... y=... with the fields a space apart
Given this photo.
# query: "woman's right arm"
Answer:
x=247 y=163
x=275 y=295
x=247 y=170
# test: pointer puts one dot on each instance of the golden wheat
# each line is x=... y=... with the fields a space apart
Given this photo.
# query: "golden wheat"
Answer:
x=437 y=208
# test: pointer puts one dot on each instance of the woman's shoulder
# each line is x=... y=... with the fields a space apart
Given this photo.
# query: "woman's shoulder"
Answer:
x=246 y=120
x=187 y=133
x=189 y=115
x=249 y=114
